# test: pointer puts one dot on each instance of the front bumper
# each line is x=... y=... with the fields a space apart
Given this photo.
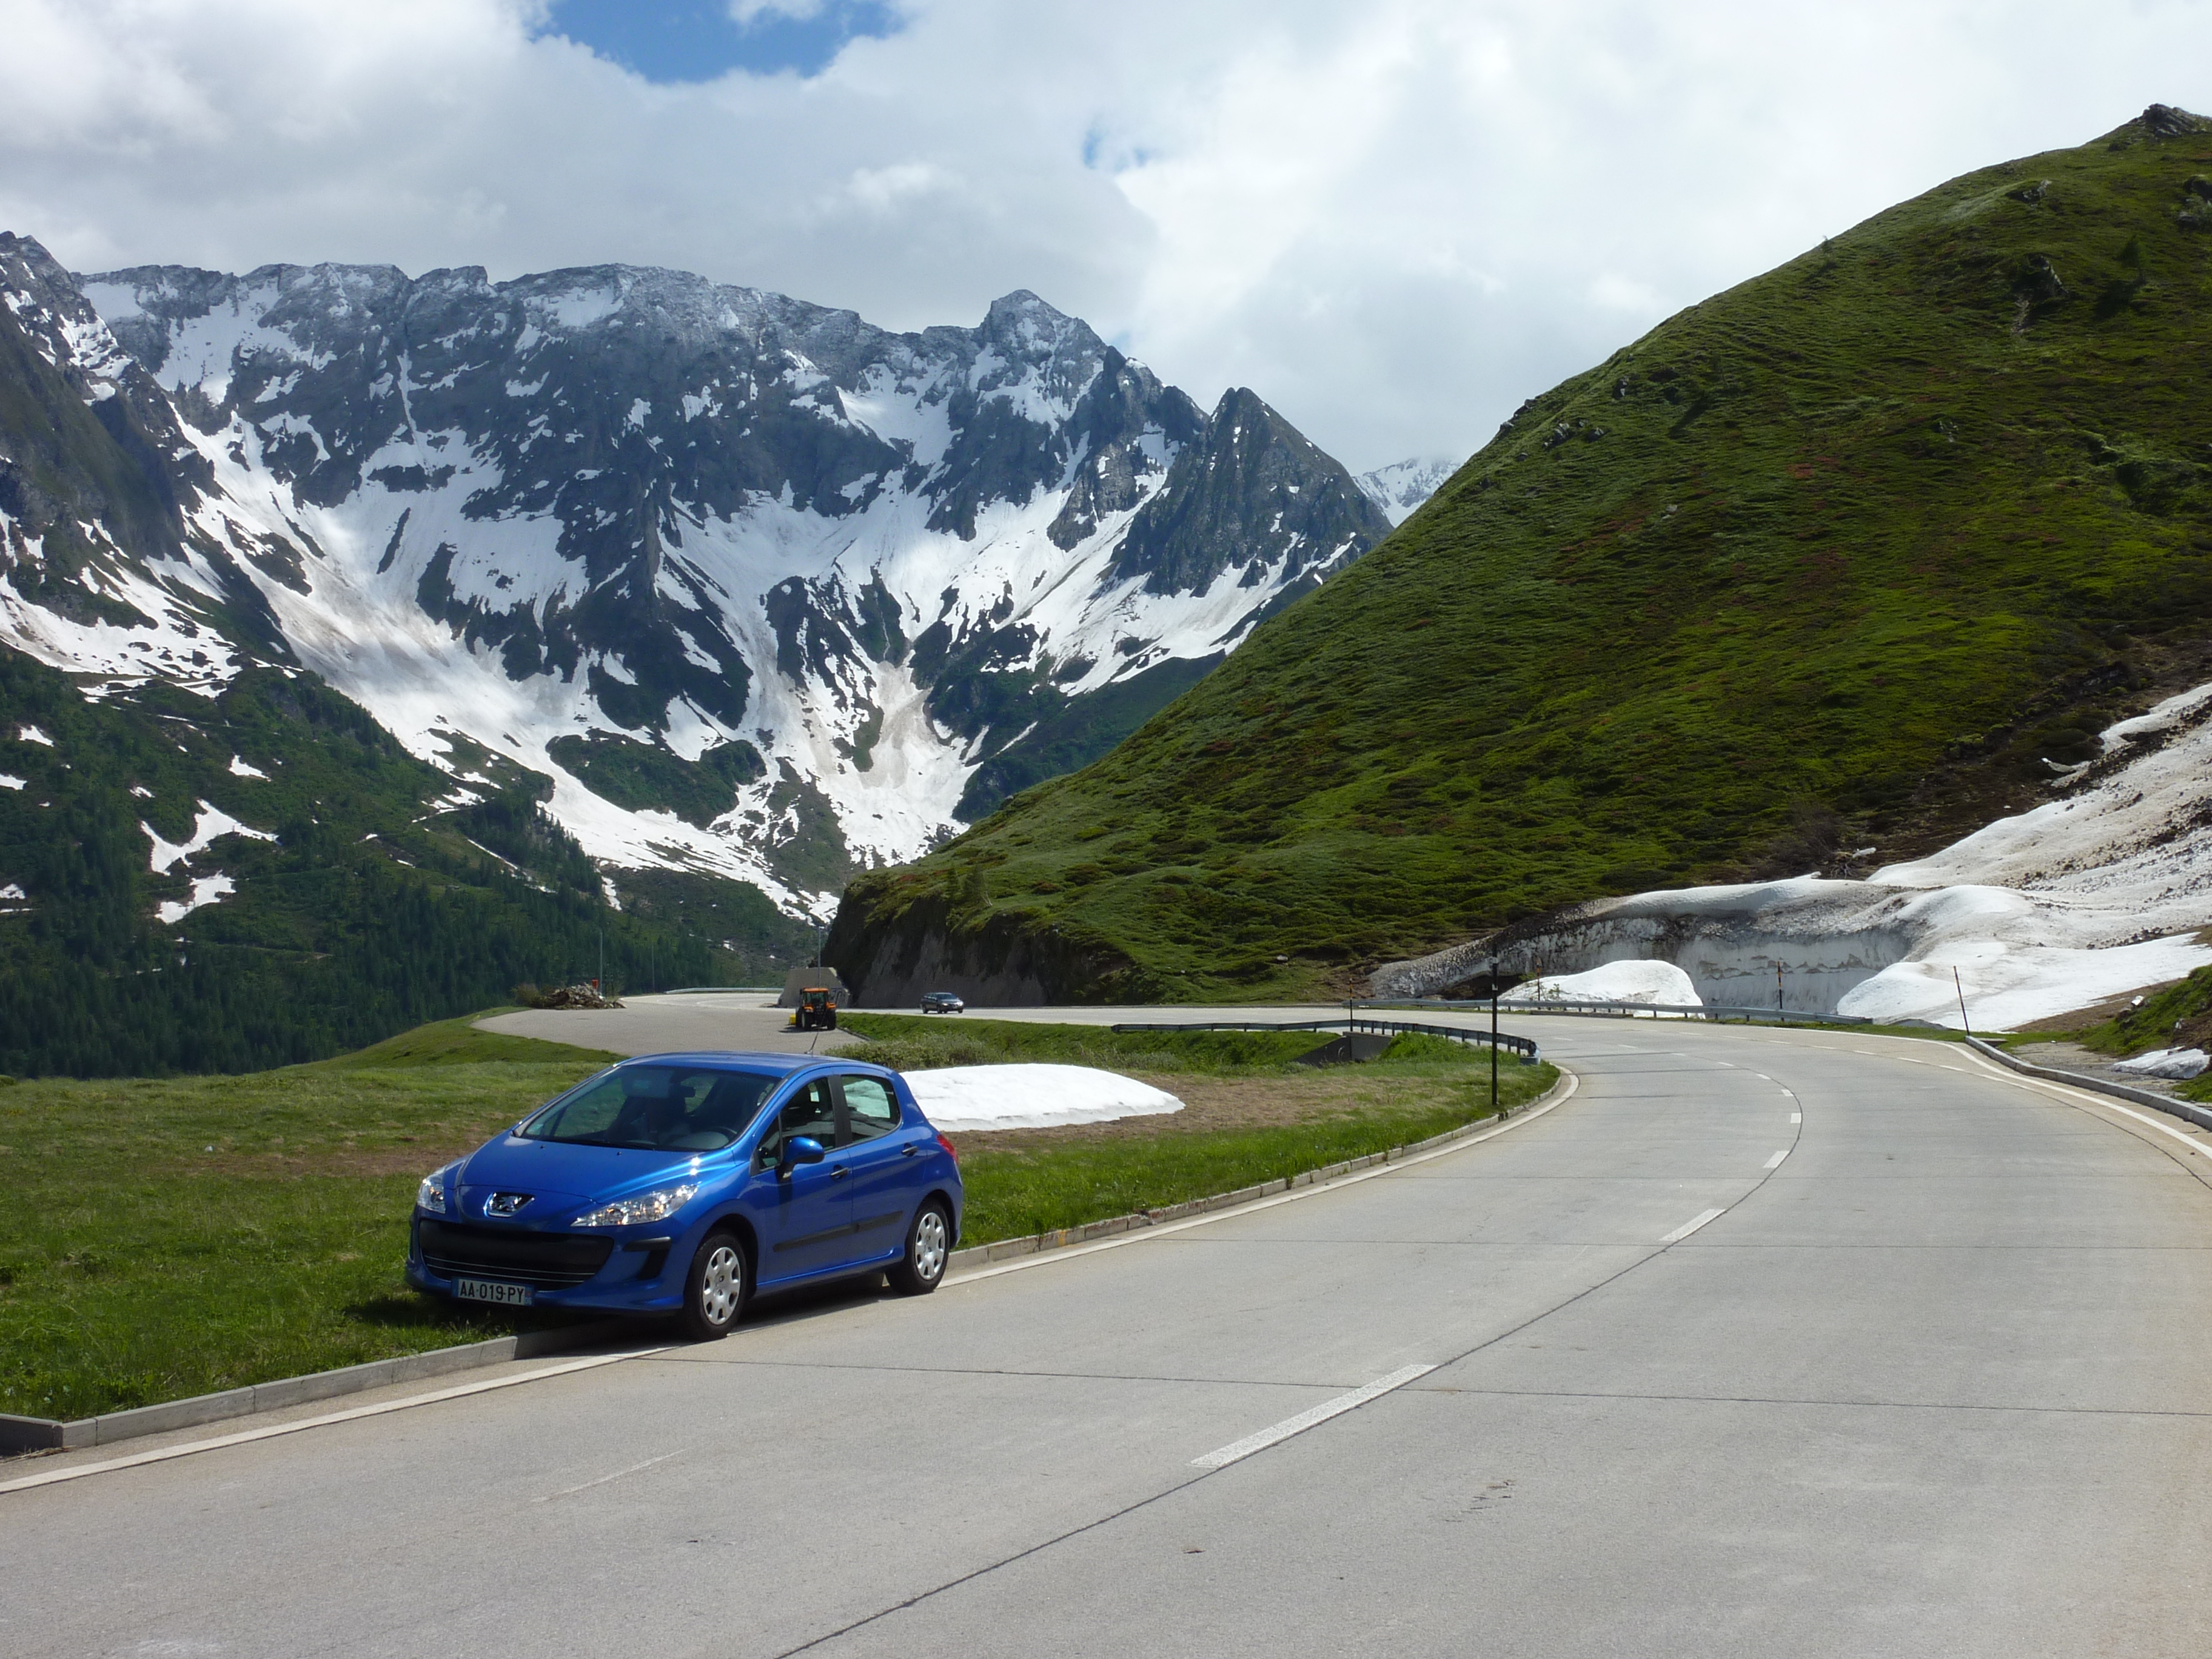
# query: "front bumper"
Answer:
x=607 y=1271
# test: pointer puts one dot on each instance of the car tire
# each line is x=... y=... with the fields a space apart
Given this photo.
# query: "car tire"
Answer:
x=928 y=1249
x=717 y=1288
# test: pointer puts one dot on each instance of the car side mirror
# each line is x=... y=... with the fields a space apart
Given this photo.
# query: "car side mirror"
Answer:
x=800 y=1149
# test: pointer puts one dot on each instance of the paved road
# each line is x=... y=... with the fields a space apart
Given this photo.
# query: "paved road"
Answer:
x=1935 y=1383
x=672 y=1023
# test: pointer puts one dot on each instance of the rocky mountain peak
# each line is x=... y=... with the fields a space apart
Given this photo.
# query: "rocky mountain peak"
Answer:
x=1403 y=486
x=652 y=537
x=1248 y=493
x=2165 y=121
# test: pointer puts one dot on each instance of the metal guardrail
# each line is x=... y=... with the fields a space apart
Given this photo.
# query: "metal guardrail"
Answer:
x=1524 y=1047
x=1626 y=1010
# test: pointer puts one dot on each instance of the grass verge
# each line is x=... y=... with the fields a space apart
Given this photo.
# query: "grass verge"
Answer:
x=175 y=1237
x=909 y=1042
x=1031 y=1181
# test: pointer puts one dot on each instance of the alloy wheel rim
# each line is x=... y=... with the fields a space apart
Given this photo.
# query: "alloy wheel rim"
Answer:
x=718 y=1286
x=929 y=1244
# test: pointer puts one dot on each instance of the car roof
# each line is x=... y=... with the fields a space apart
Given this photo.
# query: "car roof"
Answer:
x=750 y=1059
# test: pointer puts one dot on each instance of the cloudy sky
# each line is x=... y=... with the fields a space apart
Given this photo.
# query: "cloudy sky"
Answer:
x=1395 y=219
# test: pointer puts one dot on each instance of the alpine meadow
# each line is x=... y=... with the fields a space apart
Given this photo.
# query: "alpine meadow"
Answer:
x=1831 y=568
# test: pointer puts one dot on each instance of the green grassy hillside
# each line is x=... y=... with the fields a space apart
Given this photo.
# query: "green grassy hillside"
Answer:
x=1836 y=560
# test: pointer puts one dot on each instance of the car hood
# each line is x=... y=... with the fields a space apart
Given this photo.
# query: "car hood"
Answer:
x=553 y=1169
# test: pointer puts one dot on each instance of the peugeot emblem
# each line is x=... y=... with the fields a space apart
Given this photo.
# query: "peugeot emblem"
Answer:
x=505 y=1203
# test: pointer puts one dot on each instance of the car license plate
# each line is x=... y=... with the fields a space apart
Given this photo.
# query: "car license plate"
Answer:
x=490 y=1290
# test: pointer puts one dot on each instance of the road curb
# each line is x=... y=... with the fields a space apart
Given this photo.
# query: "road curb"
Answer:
x=31 y=1434
x=2186 y=1110
x=1002 y=1249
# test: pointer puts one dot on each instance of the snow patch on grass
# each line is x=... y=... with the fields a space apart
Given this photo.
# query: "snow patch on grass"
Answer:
x=206 y=890
x=213 y=822
x=1032 y=1097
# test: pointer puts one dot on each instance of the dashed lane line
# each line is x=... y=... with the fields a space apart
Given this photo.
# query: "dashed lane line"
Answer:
x=1236 y=1450
x=1689 y=1227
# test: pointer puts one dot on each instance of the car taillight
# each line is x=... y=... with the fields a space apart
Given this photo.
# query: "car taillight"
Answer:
x=951 y=1150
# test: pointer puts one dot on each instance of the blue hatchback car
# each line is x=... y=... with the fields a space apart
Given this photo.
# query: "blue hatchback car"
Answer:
x=683 y=1183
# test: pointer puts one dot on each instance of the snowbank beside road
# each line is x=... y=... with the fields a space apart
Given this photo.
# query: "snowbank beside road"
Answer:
x=2180 y=1064
x=2088 y=897
x=1028 y=1097
x=1615 y=981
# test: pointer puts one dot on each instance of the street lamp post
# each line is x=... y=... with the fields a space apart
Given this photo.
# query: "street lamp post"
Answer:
x=1494 y=1036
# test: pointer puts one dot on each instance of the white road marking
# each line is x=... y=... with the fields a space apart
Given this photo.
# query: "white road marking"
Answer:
x=570 y=1492
x=1775 y=1163
x=2107 y=1102
x=1307 y=1418
x=165 y=1453
x=1689 y=1227
x=1797 y=1117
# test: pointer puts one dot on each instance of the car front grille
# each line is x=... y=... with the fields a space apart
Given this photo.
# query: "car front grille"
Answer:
x=548 y=1260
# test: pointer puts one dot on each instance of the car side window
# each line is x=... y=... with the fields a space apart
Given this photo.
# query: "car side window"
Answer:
x=812 y=1111
x=870 y=1109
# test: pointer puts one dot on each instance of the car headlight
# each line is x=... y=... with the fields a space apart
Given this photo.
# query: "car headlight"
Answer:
x=431 y=1194
x=646 y=1206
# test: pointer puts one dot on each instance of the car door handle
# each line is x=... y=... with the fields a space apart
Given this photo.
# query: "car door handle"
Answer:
x=908 y=1149
x=838 y=1173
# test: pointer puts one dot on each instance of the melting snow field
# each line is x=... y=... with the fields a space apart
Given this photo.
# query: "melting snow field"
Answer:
x=972 y=1098
x=2102 y=893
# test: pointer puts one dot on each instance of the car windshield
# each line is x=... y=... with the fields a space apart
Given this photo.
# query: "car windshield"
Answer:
x=669 y=1109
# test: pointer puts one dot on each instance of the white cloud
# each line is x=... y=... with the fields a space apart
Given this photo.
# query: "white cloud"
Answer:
x=749 y=12
x=1394 y=218
x=1611 y=291
x=882 y=189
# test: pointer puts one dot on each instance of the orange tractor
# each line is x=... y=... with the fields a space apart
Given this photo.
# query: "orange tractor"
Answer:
x=817 y=1009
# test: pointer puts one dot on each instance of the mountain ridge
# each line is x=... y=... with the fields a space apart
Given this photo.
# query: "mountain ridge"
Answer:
x=557 y=520
x=675 y=602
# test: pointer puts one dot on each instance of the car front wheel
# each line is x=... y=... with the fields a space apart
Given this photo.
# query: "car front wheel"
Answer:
x=928 y=1248
x=717 y=1288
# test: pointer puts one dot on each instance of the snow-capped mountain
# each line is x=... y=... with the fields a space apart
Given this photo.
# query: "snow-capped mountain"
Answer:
x=1400 y=486
x=766 y=592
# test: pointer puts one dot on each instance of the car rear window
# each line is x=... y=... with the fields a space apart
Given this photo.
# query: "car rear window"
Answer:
x=670 y=1109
